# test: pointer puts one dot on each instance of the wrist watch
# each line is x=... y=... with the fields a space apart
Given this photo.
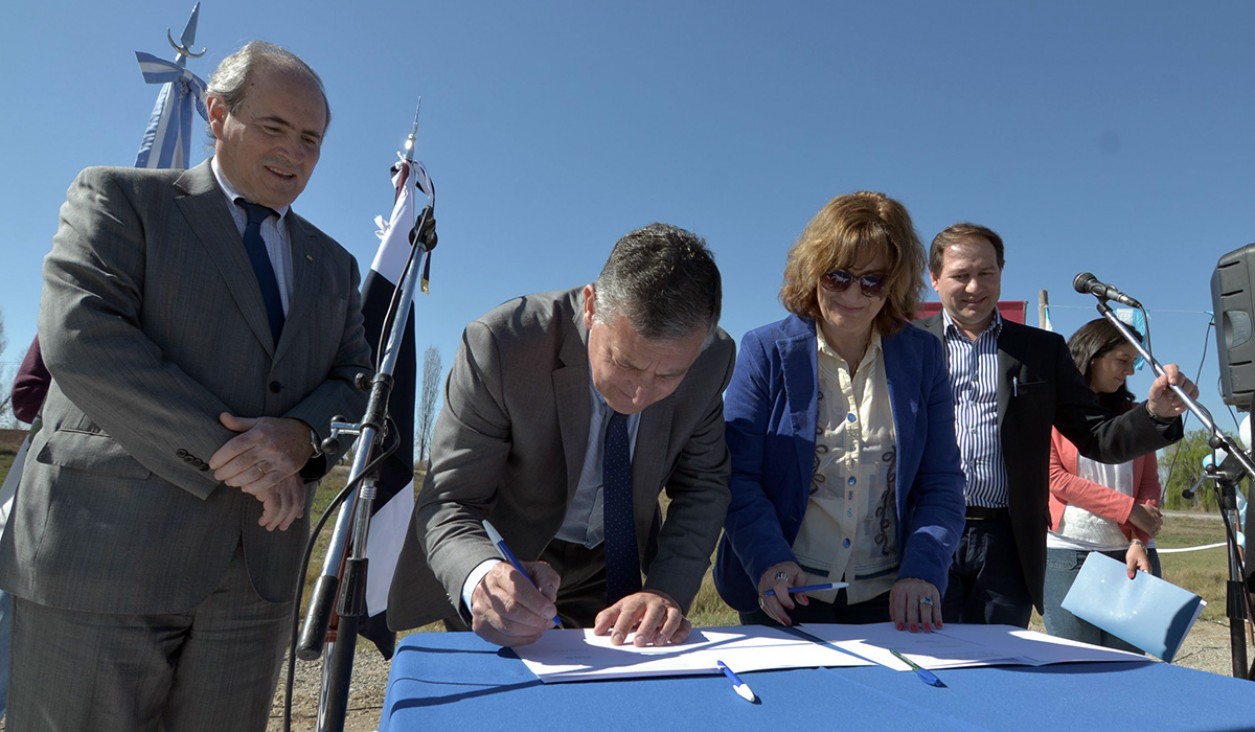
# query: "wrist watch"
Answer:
x=316 y=444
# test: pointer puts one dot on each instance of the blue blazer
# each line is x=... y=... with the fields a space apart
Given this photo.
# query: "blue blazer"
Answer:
x=770 y=411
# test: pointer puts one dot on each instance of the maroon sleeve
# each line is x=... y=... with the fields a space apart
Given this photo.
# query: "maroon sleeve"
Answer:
x=31 y=384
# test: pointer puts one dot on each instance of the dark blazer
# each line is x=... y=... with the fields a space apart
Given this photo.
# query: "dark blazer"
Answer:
x=1051 y=392
x=509 y=445
x=151 y=323
x=771 y=410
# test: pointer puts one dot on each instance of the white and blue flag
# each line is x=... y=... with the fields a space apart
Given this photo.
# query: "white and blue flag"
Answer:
x=168 y=139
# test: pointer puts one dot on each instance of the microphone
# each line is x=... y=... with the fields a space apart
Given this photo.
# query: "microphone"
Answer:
x=1188 y=493
x=1087 y=284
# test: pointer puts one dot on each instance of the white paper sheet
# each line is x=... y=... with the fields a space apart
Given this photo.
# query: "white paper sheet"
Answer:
x=578 y=655
x=960 y=645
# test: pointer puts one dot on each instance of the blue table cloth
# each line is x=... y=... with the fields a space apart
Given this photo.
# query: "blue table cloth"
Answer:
x=456 y=682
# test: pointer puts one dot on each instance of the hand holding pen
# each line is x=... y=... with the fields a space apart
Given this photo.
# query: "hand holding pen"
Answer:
x=777 y=593
x=823 y=587
x=495 y=537
x=513 y=604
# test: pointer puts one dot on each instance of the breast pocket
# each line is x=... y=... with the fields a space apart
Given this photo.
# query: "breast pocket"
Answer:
x=1028 y=384
x=1030 y=389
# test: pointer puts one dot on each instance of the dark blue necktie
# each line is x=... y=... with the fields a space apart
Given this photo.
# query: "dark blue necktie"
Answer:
x=256 y=248
x=623 y=567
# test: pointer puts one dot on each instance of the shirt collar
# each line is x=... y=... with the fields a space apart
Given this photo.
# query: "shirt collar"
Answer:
x=598 y=401
x=231 y=193
x=602 y=411
x=873 y=347
x=950 y=328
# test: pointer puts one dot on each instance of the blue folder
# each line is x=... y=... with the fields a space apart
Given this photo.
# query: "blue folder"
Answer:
x=1148 y=612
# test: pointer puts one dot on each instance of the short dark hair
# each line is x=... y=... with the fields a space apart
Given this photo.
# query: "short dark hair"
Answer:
x=663 y=279
x=229 y=82
x=1094 y=340
x=957 y=233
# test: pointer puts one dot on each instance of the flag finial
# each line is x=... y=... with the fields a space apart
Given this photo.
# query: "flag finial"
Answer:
x=184 y=46
x=409 y=141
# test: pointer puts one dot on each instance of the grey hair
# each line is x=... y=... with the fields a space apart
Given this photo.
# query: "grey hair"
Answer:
x=229 y=82
x=663 y=279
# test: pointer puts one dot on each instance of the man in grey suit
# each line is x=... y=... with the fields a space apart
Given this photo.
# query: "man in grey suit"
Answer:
x=153 y=589
x=525 y=439
x=1011 y=384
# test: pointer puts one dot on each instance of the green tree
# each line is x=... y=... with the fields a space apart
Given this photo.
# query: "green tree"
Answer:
x=430 y=389
x=1180 y=467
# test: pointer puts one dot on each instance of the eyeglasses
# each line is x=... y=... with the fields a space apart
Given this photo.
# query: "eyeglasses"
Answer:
x=838 y=280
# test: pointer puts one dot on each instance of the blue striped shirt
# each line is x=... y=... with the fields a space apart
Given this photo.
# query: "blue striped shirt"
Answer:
x=973 y=367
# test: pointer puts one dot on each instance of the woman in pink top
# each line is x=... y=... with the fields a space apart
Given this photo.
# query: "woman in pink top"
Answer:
x=1113 y=509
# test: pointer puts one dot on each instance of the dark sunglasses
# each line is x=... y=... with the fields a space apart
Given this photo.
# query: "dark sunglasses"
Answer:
x=838 y=280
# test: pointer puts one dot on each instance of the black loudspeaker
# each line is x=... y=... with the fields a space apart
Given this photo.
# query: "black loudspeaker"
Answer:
x=1233 y=302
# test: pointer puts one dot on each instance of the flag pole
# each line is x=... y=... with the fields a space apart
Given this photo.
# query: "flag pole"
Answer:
x=346 y=553
x=167 y=138
x=413 y=136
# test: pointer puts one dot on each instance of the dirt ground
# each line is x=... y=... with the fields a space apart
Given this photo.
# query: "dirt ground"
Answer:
x=1207 y=649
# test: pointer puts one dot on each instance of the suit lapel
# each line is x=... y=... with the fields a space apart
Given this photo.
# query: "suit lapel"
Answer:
x=934 y=324
x=1008 y=369
x=306 y=277
x=799 y=361
x=571 y=397
x=904 y=389
x=649 y=458
x=204 y=206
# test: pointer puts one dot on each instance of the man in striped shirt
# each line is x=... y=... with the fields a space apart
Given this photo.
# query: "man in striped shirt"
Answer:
x=1011 y=383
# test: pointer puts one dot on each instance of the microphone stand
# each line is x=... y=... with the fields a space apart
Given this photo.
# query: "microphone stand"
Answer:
x=353 y=521
x=1226 y=478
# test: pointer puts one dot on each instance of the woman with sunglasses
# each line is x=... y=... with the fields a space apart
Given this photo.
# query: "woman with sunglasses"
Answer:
x=840 y=426
x=1113 y=509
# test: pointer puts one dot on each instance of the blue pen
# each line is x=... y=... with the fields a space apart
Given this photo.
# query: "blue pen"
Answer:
x=811 y=588
x=928 y=677
x=495 y=537
x=741 y=688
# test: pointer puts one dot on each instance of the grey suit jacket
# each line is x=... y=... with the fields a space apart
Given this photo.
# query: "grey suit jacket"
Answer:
x=152 y=323
x=1049 y=391
x=510 y=442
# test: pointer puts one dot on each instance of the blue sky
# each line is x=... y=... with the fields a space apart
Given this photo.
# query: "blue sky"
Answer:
x=1110 y=137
